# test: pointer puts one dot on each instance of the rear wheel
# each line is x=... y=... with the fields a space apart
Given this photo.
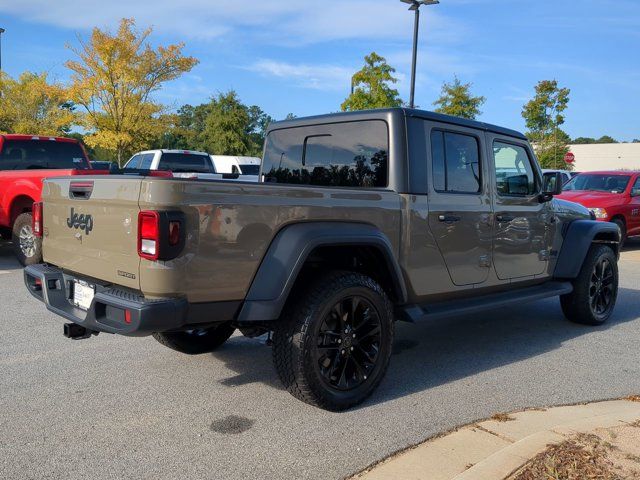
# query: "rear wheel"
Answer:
x=194 y=342
x=332 y=347
x=27 y=247
x=595 y=290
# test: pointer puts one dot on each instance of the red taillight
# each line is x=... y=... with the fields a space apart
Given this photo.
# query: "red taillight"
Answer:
x=36 y=216
x=127 y=316
x=149 y=235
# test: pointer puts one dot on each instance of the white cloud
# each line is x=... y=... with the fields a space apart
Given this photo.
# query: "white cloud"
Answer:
x=277 y=21
x=319 y=77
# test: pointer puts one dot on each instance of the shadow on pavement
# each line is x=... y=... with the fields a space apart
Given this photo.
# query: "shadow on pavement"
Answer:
x=7 y=258
x=429 y=354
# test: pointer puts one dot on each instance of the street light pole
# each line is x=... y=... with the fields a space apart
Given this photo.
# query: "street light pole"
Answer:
x=415 y=6
x=2 y=30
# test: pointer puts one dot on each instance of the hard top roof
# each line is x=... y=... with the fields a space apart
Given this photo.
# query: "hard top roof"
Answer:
x=378 y=113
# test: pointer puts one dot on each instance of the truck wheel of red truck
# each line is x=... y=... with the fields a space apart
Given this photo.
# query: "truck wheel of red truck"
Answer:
x=332 y=346
x=195 y=342
x=27 y=247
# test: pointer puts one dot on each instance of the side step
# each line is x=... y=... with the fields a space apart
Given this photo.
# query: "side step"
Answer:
x=467 y=306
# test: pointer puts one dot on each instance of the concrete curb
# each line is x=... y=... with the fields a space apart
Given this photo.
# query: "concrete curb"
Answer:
x=494 y=449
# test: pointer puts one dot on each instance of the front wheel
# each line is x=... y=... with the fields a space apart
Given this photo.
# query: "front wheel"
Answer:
x=26 y=246
x=332 y=347
x=196 y=341
x=595 y=290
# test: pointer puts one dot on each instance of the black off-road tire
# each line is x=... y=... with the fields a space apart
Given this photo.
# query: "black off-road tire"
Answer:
x=26 y=246
x=577 y=306
x=195 y=342
x=623 y=230
x=296 y=336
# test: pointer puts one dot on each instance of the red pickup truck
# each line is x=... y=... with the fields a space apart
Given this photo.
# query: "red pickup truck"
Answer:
x=611 y=196
x=25 y=160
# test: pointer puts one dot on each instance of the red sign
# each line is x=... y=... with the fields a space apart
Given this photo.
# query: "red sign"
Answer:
x=569 y=157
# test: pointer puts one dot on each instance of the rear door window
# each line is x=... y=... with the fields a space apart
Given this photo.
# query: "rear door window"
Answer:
x=42 y=154
x=456 y=162
x=185 y=162
x=146 y=160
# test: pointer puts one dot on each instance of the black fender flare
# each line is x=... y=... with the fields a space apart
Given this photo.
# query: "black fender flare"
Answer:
x=577 y=240
x=287 y=254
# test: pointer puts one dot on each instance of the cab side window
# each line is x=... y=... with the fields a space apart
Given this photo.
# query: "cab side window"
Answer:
x=455 y=162
x=514 y=173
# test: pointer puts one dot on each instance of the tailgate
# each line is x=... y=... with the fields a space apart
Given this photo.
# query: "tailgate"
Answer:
x=91 y=227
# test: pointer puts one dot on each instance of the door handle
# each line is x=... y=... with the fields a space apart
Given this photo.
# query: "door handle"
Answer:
x=504 y=218
x=448 y=218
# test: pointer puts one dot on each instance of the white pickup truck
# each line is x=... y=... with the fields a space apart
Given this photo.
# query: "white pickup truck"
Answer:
x=190 y=164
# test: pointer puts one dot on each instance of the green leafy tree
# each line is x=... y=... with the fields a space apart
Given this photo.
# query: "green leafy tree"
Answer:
x=372 y=86
x=543 y=116
x=456 y=99
x=606 y=139
x=225 y=126
x=583 y=141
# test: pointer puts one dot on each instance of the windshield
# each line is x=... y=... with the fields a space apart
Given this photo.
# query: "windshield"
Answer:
x=42 y=154
x=248 y=169
x=598 y=183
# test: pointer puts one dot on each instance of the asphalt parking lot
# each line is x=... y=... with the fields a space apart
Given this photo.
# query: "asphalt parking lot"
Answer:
x=114 y=407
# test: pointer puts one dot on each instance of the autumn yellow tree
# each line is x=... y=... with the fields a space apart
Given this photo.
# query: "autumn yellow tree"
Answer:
x=113 y=81
x=32 y=105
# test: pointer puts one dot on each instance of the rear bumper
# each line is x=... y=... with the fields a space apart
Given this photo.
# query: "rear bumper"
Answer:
x=107 y=312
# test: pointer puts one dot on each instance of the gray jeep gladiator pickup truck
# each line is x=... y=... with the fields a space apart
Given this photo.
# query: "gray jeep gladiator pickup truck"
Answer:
x=360 y=219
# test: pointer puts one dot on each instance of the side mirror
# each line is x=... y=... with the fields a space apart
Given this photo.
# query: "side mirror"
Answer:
x=551 y=185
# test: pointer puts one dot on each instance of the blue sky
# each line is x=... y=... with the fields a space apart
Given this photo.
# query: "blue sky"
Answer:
x=298 y=57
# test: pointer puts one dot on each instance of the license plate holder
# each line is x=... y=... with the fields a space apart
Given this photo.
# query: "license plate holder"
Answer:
x=83 y=294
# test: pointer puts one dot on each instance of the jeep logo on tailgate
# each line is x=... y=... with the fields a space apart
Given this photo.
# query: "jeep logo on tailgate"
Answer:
x=82 y=222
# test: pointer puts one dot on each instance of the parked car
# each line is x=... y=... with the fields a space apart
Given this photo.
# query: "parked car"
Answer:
x=25 y=161
x=183 y=164
x=364 y=218
x=231 y=164
x=611 y=196
x=565 y=174
x=250 y=165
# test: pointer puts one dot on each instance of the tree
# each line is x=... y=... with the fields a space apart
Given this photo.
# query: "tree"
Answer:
x=113 y=81
x=606 y=139
x=456 y=99
x=226 y=127
x=544 y=116
x=372 y=86
x=32 y=105
x=583 y=141
x=636 y=140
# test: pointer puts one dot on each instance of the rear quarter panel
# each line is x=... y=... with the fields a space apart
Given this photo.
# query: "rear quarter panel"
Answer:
x=231 y=225
x=17 y=183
